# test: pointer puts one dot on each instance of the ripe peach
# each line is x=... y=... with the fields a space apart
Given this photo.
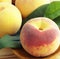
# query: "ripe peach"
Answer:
x=40 y=36
x=10 y=1
x=28 y=6
x=10 y=19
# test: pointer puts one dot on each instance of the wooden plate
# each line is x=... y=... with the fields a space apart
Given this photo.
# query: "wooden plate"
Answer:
x=8 y=53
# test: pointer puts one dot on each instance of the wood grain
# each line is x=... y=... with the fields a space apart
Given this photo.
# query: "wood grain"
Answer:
x=8 y=53
x=22 y=54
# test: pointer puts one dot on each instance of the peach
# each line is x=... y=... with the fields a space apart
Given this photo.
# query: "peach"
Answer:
x=10 y=19
x=40 y=36
x=10 y=1
x=28 y=6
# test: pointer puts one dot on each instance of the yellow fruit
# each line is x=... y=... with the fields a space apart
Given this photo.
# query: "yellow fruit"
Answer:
x=10 y=1
x=10 y=19
x=28 y=6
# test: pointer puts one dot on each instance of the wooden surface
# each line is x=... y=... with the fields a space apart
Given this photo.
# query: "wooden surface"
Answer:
x=8 y=53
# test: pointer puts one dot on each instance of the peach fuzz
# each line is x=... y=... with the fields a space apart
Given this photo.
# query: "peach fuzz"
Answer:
x=10 y=19
x=40 y=36
x=28 y=6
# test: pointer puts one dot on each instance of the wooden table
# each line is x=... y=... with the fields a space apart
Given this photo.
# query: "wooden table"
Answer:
x=8 y=53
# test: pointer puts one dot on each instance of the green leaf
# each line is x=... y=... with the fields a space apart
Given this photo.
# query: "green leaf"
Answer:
x=53 y=10
x=57 y=20
x=39 y=12
x=10 y=41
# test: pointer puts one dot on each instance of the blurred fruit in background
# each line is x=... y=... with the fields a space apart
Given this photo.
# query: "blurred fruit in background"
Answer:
x=6 y=1
x=28 y=6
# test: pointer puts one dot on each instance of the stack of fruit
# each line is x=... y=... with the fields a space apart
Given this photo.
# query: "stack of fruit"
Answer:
x=35 y=21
